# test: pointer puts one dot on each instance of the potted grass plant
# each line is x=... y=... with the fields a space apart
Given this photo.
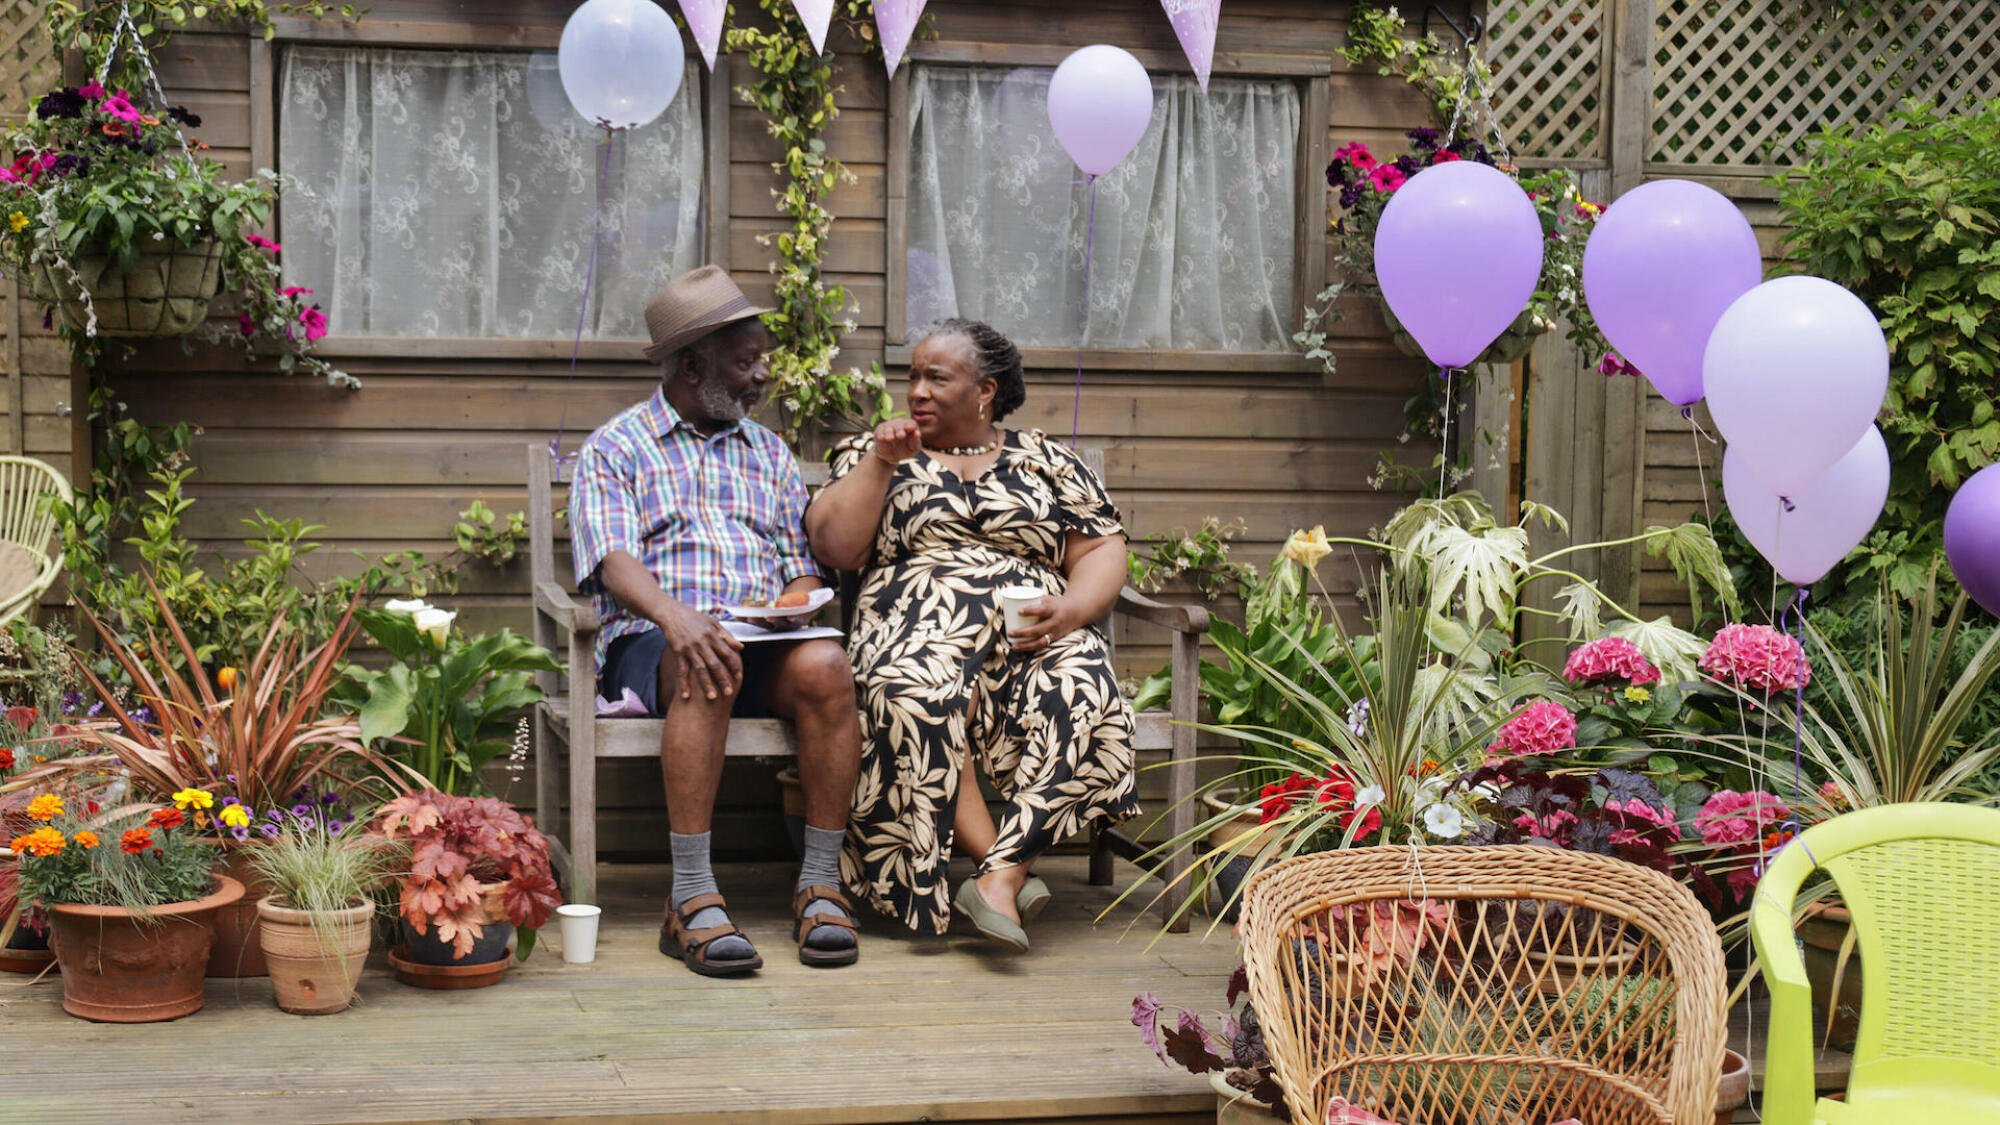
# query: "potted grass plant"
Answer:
x=128 y=893
x=316 y=924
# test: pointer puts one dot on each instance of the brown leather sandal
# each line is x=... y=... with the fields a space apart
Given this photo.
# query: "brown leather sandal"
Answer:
x=680 y=939
x=803 y=926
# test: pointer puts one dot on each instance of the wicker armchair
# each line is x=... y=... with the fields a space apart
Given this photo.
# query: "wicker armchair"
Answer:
x=1460 y=985
x=29 y=562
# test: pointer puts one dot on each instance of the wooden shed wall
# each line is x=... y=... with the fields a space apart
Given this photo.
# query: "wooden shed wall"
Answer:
x=440 y=423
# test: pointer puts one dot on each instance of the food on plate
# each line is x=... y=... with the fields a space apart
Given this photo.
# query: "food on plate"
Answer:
x=795 y=598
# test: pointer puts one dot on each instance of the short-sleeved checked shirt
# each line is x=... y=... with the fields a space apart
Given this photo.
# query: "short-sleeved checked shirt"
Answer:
x=718 y=520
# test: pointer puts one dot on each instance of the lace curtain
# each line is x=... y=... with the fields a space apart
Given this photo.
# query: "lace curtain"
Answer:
x=450 y=193
x=1194 y=244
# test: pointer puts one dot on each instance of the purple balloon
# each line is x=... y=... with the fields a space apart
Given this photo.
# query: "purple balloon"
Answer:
x=1827 y=520
x=1972 y=537
x=1457 y=253
x=1100 y=102
x=1662 y=265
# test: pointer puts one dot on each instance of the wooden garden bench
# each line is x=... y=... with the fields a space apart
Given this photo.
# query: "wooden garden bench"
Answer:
x=566 y=722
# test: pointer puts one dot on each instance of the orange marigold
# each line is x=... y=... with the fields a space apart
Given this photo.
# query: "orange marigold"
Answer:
x=48 y=806
x=42 y=842
x=166 y=818
x=135 y=841
x=85 y=839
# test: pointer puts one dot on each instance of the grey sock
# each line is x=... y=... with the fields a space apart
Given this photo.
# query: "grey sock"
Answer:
x=692 y=877
x=822 y=868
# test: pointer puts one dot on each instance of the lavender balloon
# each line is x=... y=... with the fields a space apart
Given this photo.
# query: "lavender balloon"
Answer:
x=1662 y=265
x=1457 y=253
x=1972 y=537
x=1795 y=372
x=1827 y=520
x=1100 y=102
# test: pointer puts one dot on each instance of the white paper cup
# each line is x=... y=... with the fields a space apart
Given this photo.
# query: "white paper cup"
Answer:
x=579 y=932
x=1014 y=599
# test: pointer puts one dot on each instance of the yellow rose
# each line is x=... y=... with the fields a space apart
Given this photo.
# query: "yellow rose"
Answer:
x=1307 y=548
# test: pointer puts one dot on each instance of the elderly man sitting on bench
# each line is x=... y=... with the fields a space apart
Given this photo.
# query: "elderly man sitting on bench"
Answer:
x=682 y=504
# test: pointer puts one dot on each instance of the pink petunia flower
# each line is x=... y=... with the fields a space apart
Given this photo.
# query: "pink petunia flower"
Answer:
x=245 y=325
x=1610 y=658
x=121 y=107
x=315 y=322
x=92 y=90
x=262 y=243
x=1542 y=727
x=1757 y=657
x=1386 y=177
x=1357 y=154
x=295 y=291
x=1444 y=156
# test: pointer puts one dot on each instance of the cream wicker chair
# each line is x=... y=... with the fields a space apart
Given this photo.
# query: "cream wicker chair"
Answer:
x=29 y=558
x=1505 y=985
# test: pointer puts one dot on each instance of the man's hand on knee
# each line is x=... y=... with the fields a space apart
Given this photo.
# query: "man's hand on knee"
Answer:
x=706 y=659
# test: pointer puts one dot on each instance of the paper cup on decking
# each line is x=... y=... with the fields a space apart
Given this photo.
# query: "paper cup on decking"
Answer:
x=1015 y=599
x=579 y=932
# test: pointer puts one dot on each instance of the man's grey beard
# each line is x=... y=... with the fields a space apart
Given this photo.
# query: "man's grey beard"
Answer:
x=720 y=405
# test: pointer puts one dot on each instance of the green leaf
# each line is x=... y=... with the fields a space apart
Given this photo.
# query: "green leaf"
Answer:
x=386 y=711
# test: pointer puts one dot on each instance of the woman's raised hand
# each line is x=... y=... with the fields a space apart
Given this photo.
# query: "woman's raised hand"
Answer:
x=898 y=440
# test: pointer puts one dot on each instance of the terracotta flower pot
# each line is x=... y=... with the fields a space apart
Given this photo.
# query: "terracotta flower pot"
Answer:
x=236 y=952
x=165 y=293
x=1732 y=1092
x=1240 y=834
x=446 y=977
x=314 y=958
x=121 y=968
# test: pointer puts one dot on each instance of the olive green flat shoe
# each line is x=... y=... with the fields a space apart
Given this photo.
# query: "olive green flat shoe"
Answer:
x=1034 y=896
x=990 y=923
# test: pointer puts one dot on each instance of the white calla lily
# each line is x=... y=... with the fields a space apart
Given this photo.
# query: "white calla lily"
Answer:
x=406 y=605
x=434 y=623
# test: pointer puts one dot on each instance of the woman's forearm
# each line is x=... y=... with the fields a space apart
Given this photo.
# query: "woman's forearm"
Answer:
x=1096 y=572
x=843 y=519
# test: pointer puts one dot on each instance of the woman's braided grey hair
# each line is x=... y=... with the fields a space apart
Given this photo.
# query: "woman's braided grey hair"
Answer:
x=998 y=358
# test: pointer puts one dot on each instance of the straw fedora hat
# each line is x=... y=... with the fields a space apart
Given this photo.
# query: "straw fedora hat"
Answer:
x=691 y=306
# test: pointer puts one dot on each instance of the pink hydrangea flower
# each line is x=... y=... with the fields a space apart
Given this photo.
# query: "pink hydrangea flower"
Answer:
x=1542 y=727
x=1732 y=817
x=1610 y=658
x=1757 y=657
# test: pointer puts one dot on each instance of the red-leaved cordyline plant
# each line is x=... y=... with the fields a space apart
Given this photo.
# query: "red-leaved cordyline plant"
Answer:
x=260 y=739
x=466 y=852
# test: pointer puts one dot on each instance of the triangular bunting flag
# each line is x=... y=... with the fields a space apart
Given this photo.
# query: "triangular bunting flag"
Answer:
x=817 y=14
x=896 y=21
x=1194 y=22
x=704 y=20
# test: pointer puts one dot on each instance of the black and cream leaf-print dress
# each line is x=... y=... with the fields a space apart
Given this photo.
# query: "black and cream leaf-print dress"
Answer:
x=1050 y=729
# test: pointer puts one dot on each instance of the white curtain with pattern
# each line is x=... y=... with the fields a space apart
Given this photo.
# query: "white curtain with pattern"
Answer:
x=1194 y=248
x=451 y=193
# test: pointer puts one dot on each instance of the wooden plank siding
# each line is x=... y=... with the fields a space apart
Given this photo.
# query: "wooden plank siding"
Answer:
x=439 y=423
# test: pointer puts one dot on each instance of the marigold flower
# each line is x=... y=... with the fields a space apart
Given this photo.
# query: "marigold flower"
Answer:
x=41 y=842
x=6 y=758
x=135 y=841
x=235 y=816
x=166 y=818
x=47 y=806
x=85 y=839
x=192 y=798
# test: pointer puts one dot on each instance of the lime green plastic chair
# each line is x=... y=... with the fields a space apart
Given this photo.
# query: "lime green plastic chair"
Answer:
x=1922 y=882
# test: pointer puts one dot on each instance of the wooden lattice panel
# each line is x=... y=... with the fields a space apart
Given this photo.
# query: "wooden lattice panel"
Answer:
x=1550 y=75
x=1746 y=82
x=28 y=66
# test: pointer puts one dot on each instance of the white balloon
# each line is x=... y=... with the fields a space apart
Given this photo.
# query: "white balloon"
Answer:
x=1795 y=371
x=1827 y=520
x=621 y=61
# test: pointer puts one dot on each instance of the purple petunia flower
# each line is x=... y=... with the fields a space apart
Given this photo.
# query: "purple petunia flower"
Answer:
x=1350 y=195
x=96 y=709
x=302 y=810
x=269 y=831
x=71 y=700
x=1424 y=136
x=180 y=114
x=336 y=826
x=328 y=798
x=65 y=102
x=241 y=833
x=142 y=715
x=231 y=801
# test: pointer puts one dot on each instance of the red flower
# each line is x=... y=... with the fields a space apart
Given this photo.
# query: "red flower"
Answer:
x=166 y=818
x=6 y=758
x=135 y=841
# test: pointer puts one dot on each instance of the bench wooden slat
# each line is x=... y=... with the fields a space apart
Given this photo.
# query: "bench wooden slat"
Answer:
x=773 y=738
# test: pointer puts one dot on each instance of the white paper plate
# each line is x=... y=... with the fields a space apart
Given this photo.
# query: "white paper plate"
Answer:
x=817 y=599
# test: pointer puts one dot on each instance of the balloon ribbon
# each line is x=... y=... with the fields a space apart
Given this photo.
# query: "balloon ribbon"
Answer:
x=1083 y=336
x=589 y=282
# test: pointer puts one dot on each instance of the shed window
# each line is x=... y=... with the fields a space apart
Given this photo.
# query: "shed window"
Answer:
x=1194 y=248
x=451 y=193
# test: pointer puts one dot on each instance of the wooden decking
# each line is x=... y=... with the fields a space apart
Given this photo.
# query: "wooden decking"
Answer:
x=920 y=1029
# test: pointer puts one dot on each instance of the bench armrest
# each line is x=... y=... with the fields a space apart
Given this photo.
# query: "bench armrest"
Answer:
x=570 y=613
x=1180 y=618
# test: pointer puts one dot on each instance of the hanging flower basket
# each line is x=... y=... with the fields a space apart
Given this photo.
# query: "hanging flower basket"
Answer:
x=1514 y=343
x=165 y=293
